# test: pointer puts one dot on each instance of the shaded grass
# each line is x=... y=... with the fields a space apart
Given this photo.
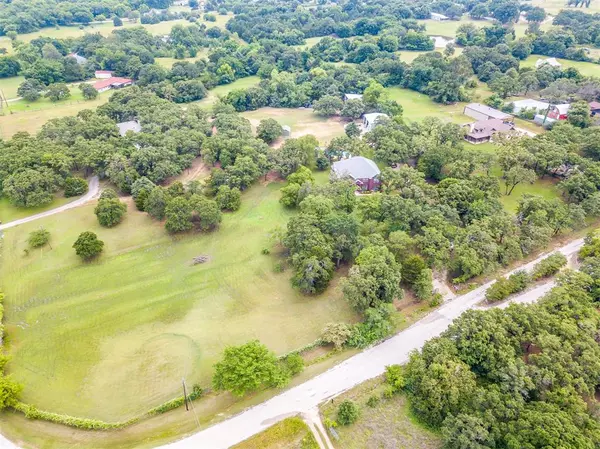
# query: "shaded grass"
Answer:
x=168 y=62
x=112 y=338
x=388 y=424
x=544 y=187
x=291 y=433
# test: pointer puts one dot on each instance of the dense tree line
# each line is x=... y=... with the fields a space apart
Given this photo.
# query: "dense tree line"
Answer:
x=519 y=377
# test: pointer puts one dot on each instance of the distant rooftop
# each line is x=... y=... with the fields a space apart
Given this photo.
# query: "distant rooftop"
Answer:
x=132 y=125
x=483 y=109
x=357 y=167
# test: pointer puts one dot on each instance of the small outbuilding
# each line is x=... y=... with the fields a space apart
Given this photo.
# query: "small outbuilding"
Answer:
x=480 y=111
x=548 y=61
x=132 y=125
x=287 y=131
x=559 y=111
x=594 y=108
x=484 y=130
x=439 y=17
x=364 y=172
x=353 y=97
x=371 y=120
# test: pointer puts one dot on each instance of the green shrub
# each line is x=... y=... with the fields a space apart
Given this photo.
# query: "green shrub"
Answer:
x=75 y=186
x=110 y=212
x=373 y=401
x=108 y=193
x=38 y=238
x=265 y=251
x=499 y=290
x=436 y=300
x=279 y=267
x=548 y=266
x=294 y=364
x=348 y=413
x=395 y=378
x=519 y=281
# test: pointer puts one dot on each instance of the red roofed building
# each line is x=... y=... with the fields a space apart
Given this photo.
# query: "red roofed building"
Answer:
x=114 y=82
x=594 y=108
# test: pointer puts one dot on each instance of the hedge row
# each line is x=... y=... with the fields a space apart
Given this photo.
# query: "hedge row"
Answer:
x=519 y=280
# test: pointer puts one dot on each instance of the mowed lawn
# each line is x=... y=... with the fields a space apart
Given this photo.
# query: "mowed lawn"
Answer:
x=585 y=68
x=221 y=91
x=9 y=86
x=291 y=433
x=30 y=117
x=113 y=338
x=8 y=212
x=302 y=121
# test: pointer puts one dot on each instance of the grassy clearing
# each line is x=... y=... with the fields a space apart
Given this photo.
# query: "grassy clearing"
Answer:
x=30 y=117
x=291 y=433
x=221 y=91
x=585 y=68
x=221 y=20
x=113 y=338
x=8 y=212
x=409 y=56
x=302 y=122
x=388 y=424
x=9 y=86
x=544 y=187
x=168 y=62
x=448 y=28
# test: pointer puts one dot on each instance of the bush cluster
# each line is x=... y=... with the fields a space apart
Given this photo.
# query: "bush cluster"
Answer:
x=503 y=287
x=549 y=266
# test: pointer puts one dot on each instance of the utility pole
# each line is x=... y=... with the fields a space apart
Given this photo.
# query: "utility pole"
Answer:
x=185 y=399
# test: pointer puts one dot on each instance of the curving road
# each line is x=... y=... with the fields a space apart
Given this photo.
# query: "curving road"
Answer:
x=368 y=364
x=93 y=188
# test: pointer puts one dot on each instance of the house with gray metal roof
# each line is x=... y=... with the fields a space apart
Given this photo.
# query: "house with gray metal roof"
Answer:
x=364 y=172
x=132 y=125
x=482 y=112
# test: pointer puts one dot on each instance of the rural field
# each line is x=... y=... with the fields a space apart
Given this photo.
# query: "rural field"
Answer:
x=8 y=212
x=302 y=121
x=142 y=317
x=221 y=91
x=9 y=86
x=291 y=433
x=585 y=68
x=389 y=424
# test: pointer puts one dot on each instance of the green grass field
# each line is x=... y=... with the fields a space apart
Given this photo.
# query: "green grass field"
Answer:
x=30 y=117
x=389 y=424
x=168 y=62
x=221 y=91
x=9 y=86
x=585 y=68
x=291 y=433
x=112 y=338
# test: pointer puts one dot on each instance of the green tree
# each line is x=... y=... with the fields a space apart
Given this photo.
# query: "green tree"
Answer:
x=88 y=91
x=423 y=285
x=579 y=114
x=117 y=22
x=353 y=109
x=206 y=212
x=328 y=105
x=156 y=203
x=228 y=198
x=87 y=246
x=336 y=334
x=179 y=215
x=269 y=130
x=110 y=212
x=31 y=188
x=57 y=92
x=352 y=130
x=466 y=432
x=247 y=368
x=9 y=391
x=30 y=90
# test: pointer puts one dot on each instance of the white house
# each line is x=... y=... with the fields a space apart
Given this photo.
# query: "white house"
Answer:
x=439 y=17
x=371 y=120
x=549 y=61
x=103 y=74
x=538 y=106
x=482 y=112
x=132 y=125
x=353 y=97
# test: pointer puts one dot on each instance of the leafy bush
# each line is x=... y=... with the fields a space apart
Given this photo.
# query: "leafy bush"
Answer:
x=110 y=212
x=373 y=401
x=395 y=378
x=75 y=186
x=548 y=266
x=436 y=300
x=38 y=238
x=519 y=281
x=87 y=245
x=498 y=291
x=336 y=334
x=348 y=413
x=294 y=363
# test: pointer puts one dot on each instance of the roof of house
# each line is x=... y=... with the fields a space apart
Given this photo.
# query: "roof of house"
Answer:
x=527 y=103
x=353 y=96
x=550 y=61
x=374 y=116
x=80 y=59
x=132 y=125
x=486 y=128
x=483 y=109
x=112 y=81
x=562 y=108
x=437 y=15
x=594 y=105
x=356 y=167
x=104 y=72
